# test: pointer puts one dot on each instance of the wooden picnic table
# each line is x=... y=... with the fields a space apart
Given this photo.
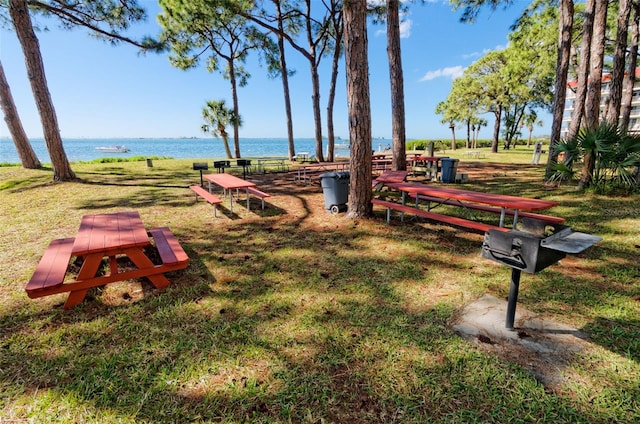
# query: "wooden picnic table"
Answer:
x=454 y=196
x=228 y=183
x=106 y=236
x=427 y=164
x=280 y=163
x=305 y=172
x=388 y=177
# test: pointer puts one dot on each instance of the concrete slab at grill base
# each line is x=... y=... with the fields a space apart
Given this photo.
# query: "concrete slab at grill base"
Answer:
x=542 y=346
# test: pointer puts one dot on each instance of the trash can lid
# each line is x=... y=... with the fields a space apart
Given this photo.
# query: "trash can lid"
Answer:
x=329 y=175
x=450 y=160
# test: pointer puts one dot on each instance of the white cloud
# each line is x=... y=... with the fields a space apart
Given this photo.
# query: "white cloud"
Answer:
x=453 y=72
x=471 y=55
x=405 y=25
x=405 y=28
x=483 y=52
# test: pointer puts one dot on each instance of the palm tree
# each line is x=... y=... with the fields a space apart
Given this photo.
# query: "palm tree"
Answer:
x=217 y=118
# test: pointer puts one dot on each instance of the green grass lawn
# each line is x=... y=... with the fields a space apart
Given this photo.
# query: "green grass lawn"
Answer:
x=295 y=315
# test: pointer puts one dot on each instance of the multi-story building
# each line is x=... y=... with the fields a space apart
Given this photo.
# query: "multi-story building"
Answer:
x=634 y=120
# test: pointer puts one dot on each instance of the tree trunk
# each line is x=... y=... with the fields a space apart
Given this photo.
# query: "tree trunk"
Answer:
x=359 y=107
x=315 y=84
x=496 y=130
x=336 y=24
x=583 y=70
x=562 y=70
x=27 y=156
x=619 y=56
x=332 y=96
x=399 y=157
x=592 y=103
x=33 y=59
x=453 y=136
x=630 y=76
x=236 y=109
x=468 y=143
x=225 y=140
x=285 y=82
x=594 y=85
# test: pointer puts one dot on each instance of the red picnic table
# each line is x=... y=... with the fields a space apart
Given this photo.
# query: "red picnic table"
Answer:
x=106 y=236
x=230 y=182
x=507 y=204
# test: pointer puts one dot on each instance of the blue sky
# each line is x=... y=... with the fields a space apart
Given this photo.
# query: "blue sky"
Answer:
x=102 y=91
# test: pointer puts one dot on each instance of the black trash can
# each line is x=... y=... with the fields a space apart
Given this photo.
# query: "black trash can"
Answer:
x=449 y=169
x=335 y=186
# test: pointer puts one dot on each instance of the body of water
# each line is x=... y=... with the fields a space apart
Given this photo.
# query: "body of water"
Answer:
x=84 y=149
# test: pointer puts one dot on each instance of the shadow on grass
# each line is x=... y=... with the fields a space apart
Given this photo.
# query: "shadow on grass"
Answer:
x=277 y=321
x=273 y=322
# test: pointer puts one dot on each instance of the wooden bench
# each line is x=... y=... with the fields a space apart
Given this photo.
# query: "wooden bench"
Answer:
x=474 y=226
x=211 y=198
x=484 y=208
x=52 y=267
x=258 y=193
x=169 y=248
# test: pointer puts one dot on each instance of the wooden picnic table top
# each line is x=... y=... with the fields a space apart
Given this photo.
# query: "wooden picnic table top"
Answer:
x=107 y=232
x=322 y=165
x=501 y=200
x=427 y=158
x=392 y=177
x=228 y=181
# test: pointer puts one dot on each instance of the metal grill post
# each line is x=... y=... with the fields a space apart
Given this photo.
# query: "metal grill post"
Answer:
x=513 y=297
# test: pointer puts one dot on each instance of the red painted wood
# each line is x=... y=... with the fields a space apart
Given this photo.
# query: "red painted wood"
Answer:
x=501 y=200
x=52 y=267
x=228 y=181
x=392 y=177
x=545 y=218
x=211 y=198
x=447 y=219
x=110 y=232
x=169 y=248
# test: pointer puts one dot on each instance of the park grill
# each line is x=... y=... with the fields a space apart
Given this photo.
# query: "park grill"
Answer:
x=532 y=247
x=200 y=166
x=245 y=164
x=219 y=165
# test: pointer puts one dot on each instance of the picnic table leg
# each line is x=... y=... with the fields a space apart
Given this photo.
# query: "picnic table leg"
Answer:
x=247 y=192
x=88 y=270
x=75 y=297
x=141 y=260
x=502 y=213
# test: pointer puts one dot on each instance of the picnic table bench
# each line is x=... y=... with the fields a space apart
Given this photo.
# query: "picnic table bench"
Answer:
x=260 y=194
x=209 y=197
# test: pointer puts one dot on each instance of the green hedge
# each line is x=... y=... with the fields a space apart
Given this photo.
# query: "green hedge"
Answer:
x=441 y=144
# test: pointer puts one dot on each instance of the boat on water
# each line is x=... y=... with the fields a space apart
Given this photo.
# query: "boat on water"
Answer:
x=113 y=149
